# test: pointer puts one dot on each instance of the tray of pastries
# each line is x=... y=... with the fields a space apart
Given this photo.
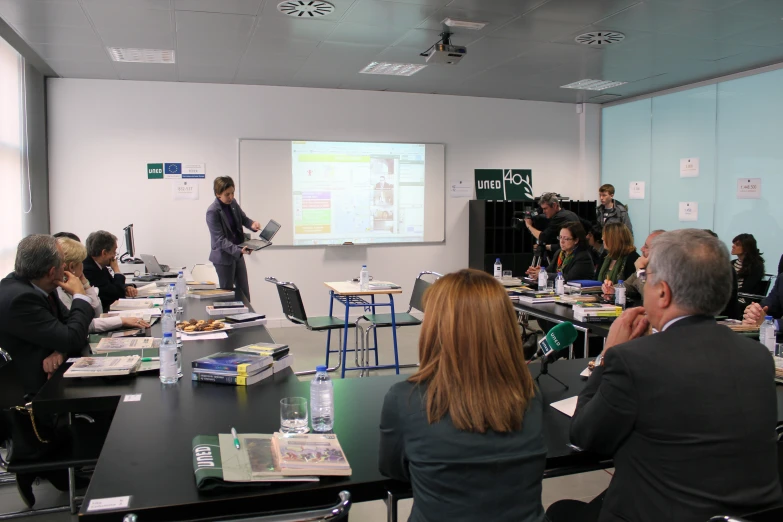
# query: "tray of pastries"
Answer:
x=202 y=326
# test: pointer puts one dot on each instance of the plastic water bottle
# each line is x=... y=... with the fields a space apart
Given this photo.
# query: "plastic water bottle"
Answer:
x=174 y=297
x=364 y=278
x=559 y=283
x=169 y=322
x=170 y=360
x=322 y=401
x=767 y=334
x=619 y=294
x=498 y=269
x=542 y=279
x=182 y=286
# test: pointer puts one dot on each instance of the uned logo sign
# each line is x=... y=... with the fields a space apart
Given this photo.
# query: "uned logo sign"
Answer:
x=504 y=184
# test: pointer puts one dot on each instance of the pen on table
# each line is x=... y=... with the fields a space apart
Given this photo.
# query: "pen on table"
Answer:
x=236 y=438
x=150 y=359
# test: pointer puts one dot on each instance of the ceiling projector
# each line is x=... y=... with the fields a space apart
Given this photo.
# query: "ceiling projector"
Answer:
x=442 y=53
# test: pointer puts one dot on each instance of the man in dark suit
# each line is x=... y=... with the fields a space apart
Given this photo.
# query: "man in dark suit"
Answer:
x=103 y=272
x=384 y=192
x=688 y=413
x=772 y=306
x=36 y=329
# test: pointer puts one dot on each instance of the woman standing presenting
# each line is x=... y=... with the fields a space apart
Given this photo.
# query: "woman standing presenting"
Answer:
x=225 y=220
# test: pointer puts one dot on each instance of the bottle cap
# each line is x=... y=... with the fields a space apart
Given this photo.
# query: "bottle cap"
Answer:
x=364 y=266
x=166 y=311
x=320 y=368
x=168 y=295
x=167 y=334
x=767 y=317
x=620 y=282
x=497 y=260
x=181 y=272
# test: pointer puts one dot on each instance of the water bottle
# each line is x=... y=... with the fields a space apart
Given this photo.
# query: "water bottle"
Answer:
x=619 y=294
x=182 y=286
x=174 y=297
x=498 y=269
x=364 y=279
x=542 y=279
x=559 y=283
x=322 y=401
x=170 y=360
x=169 y=322
x=767 y=334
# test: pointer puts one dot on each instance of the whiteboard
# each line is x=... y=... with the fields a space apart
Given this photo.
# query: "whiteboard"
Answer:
x=270 y=187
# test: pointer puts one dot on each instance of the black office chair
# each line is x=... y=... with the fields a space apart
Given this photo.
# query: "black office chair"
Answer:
x=330 y=514
x=766 y=283
x=293 y=308
x=403 y=319
x=768 y=515
x=80 y=448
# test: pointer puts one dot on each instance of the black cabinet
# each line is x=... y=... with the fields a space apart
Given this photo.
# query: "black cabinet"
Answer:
x=491 y=235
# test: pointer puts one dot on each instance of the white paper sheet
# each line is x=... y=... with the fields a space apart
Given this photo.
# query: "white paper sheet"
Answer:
x=689 y=211
x=749 y=188
x=587 y=372
x=689 y=168
x=203 y=337
x=567 y=406
x=636 y=190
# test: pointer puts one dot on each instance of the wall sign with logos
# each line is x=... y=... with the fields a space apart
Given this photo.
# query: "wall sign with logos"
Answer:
x=176 y=170
x=504 y=184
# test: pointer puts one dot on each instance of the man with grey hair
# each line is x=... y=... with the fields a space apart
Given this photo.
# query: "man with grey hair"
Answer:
x=102 y=270
x=688 y=413
x=36 y=329
x=556 y=218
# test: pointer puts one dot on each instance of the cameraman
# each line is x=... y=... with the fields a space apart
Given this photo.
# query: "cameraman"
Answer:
x=556 y=218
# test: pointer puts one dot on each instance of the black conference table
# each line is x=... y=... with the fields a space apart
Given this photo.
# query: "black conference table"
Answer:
x=148 y=451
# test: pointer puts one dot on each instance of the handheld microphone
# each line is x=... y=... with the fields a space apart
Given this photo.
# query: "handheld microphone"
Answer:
x=558 y=338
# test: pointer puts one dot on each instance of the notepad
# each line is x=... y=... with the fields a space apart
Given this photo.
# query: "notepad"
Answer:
x=567 y=406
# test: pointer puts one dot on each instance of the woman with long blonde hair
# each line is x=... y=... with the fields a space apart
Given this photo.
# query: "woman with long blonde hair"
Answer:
x=466 y=429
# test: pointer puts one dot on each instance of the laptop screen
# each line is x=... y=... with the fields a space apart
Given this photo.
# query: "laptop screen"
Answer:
x=270 y=230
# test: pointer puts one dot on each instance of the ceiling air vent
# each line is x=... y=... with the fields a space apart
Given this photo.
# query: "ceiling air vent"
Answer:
x=305 y=8
x=600 y=38
x=604 y=98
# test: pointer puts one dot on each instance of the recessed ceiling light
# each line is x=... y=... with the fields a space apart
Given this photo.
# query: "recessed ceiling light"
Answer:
x=394 y=69
x=592 y=85
x=121 y=54
x=464 y=24
x=600 y=38
x=305 y=8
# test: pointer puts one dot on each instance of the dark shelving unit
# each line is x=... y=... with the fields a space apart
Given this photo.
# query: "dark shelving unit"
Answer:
x=491 y=235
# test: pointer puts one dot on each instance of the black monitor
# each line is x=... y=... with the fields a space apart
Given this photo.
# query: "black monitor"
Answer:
x=130 y=247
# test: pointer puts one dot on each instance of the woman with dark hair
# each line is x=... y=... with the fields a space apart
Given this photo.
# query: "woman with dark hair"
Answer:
x=749 y=264
x=466 y=430
x=573 y=258
x=621 y=254
x=225 y=220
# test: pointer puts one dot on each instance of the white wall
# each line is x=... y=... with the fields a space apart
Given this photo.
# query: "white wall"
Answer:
x=102 y=133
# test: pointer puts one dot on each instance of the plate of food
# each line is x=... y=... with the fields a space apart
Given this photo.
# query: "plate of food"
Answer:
x=202 y=326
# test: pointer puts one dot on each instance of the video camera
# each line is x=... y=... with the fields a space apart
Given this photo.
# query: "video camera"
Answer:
x=518 y=219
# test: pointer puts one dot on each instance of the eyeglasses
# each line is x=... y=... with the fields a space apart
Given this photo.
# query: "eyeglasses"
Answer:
x=563 y=238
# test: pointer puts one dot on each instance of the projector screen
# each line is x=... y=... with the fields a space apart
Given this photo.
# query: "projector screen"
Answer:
x=335 y=193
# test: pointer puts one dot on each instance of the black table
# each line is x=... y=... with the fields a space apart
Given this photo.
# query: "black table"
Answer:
x=559 y=313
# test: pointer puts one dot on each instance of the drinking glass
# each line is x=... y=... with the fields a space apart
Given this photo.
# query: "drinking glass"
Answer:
x=293 y=415
x=550 y=285
x=507 y=274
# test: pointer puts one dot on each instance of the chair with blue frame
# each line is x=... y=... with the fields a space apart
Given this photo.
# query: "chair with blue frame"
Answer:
x=402 y=319
x=293 y=308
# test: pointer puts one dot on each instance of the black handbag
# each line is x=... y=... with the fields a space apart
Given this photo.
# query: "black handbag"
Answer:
x=27 y=437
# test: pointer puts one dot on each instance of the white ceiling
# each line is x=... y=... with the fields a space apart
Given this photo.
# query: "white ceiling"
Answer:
x=526 y=51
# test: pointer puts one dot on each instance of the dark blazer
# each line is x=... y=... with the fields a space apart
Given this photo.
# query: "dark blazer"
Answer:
x=110 y=288
x=689 y=416
x=775 y=299
x=223 y=250
x=30 y=332
x=457 y=475
x=581 y=267
x=751 y=282
x=548 y=236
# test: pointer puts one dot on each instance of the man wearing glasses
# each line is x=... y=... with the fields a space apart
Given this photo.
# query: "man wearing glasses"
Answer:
x=102 y=270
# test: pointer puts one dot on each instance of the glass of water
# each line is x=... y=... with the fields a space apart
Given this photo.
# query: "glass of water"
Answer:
x=550 y=285
x=507 y=274
x=293 y=415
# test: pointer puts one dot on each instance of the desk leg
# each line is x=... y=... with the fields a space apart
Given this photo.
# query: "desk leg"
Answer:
x=587 y=343
x=329 y=332
x=345 y=338
x=394 y=336
x=375 y=338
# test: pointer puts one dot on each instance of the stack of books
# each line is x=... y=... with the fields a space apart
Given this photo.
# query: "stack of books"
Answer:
x=210 y=294
x=278 y=352
x=227 y=308
x=245 y=320
x=515 y=291
x=316 y=454
x=596 y=312
x=200 y=285
x=533 y=297
x=103 y=366
x=240 y=369
x=585 y=286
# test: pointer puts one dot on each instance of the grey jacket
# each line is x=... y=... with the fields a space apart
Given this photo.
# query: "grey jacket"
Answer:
x=617 y=214
x=224 y=251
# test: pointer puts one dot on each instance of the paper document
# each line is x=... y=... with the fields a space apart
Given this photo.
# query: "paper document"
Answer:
x=567 y=406
x=587 y=372
x=204 y=337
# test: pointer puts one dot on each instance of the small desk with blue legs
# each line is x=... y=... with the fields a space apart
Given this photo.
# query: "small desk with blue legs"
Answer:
x=351 y=296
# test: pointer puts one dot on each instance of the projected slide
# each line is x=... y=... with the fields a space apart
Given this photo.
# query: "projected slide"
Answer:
x=357 y=192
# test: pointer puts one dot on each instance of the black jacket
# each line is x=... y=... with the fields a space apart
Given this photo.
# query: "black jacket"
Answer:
x=548 y=236
x=581 y=267
x=689 y=416
x=461 y=476
x=30 y=332
x=751 y=282
x=109 y=288
x=774 y=300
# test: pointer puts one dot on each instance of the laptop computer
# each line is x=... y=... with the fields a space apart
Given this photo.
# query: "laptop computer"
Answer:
x=265 y=237
x=154 y=268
